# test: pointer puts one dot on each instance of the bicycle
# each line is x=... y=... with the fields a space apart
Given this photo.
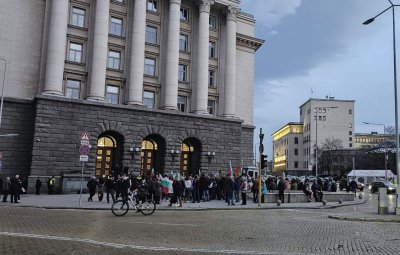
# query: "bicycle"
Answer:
x=121 y=206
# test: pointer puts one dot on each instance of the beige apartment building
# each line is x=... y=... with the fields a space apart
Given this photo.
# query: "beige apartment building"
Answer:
x=321 y=119
x=158 y=86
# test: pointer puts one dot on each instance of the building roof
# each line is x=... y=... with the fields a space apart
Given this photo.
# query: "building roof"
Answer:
x=328 y=99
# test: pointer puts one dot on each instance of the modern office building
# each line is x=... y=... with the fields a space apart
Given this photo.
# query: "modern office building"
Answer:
x=157 y=85
x=321 y=119
x=288 y=148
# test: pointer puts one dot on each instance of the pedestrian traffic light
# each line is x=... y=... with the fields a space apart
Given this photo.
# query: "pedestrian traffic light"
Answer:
x=263 y=161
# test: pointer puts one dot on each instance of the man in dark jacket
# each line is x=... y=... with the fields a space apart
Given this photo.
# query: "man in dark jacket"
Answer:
x=229 y=186
x=109 y=186
x=92 y=184
x=38 y=185
x=281 y=189
x=15 y=189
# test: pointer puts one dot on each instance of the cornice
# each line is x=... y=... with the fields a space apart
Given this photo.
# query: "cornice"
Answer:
x=249 y=42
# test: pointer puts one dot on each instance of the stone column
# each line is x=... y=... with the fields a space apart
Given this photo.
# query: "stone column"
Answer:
x=230 y=63
x=170 y=87
x=202 y=57
x=100 y=51
x=57 y=42
x=135 y=88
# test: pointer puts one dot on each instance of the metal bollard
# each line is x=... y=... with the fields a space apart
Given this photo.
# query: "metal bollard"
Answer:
x=382 y=201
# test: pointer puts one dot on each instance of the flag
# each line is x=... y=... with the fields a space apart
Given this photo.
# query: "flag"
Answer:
x=237 y=170
x=230 y=169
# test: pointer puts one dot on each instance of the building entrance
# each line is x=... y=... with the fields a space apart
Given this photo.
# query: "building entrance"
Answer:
x=190 y=157
x=105 y=155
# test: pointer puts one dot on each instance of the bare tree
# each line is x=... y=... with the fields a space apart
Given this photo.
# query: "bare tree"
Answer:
x=325 y=156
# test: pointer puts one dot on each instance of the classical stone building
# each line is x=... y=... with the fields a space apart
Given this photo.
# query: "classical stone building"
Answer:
x=158 y=85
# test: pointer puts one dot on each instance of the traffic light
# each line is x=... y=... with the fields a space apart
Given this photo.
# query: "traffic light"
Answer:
x=263 y=161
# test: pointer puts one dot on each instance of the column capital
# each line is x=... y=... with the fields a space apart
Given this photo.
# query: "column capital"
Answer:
x=231 y=13
x=205 y=5
x=175 y=2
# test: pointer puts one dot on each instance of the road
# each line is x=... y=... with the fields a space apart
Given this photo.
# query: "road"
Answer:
x=273 y=231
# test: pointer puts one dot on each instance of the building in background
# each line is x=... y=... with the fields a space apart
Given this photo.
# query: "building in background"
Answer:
x=320 y=119
x=373 y=140
x=159 y=86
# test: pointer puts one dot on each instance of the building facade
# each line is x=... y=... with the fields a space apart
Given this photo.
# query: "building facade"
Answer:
x=156 y=85
x=373 y=140
x=287 y=149
x=320 y=119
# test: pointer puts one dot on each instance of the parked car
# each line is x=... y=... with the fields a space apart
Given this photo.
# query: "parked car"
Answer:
x=383 y=184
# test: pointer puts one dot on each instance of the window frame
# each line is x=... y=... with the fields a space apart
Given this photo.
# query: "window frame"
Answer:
x=147 y=67
x=151 y=35
x=180 y=104
x=152 y=5
x=184 y=42
x=148 y=99
x=211 y=107
x=111 y=32
x=210 y=24
x=183 y=73
x=113 y=60
x=69 y=88
x=212 y=49
x=185 y=14
x=74 y=7
x=75 y=51
x=211 y=78
x=111 y=93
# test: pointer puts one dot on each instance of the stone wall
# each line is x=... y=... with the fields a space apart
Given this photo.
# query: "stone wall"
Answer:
x=17 y=120
x=60 y=122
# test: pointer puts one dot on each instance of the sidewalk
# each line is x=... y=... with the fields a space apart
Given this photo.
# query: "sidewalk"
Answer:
x=71 y=201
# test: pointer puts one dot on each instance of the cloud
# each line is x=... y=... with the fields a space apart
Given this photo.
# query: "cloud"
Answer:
x=270 y=13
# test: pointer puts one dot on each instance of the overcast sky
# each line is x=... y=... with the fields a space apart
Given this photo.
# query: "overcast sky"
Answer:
x=319 y=48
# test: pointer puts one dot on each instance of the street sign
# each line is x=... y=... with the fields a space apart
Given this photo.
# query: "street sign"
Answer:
x=84 y=150
x=83 y=158
x=85 y=142
x=85 y=136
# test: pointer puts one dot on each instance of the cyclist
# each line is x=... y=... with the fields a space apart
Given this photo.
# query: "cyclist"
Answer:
x=141 y=190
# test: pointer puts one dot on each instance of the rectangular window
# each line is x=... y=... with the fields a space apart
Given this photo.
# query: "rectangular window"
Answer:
x=183 y=42
x=350 y=139
x=211 y=78
x=211 y=49
x=182 y=103
x=182 y=73
x=152 y=5
x=184 y=14
x=73 y=89
x=350 y=132
x=116 y=26
x=296 y=152
x=148 y=99
x=75 y=52
x=296 y=164
x=112 y=94
x=324 y=118
x=212 y=22
x=211 y=107
x=78 y=17
x=150 y=66
x=114 y=58
x=350 y=111
x=350 y=145
x=151 y=35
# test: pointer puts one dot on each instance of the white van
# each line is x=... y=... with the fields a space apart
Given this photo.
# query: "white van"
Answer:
x=250 y=171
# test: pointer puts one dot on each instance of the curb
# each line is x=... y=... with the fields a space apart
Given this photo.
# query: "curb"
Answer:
x=365 y=219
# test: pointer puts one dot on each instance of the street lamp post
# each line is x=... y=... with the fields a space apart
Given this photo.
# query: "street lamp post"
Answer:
x=2 y=89
x=384 y=144
x=392 y=6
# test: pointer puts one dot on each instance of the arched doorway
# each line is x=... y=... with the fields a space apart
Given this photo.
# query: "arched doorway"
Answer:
x=108 y=154
x=152 y=155
x=190 y=157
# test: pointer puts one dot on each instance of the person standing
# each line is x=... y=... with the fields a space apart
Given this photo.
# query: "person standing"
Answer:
x=38 y=185
x=6 y=189
x=243 y=189
x=92 y=184
x=281 y=189
x=229 y=186
x=109 y=186
x=236 y=188
x=15 y=189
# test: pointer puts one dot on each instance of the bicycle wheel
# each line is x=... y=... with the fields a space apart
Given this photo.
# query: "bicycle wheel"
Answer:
x=120 y=207
x=148 y=208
